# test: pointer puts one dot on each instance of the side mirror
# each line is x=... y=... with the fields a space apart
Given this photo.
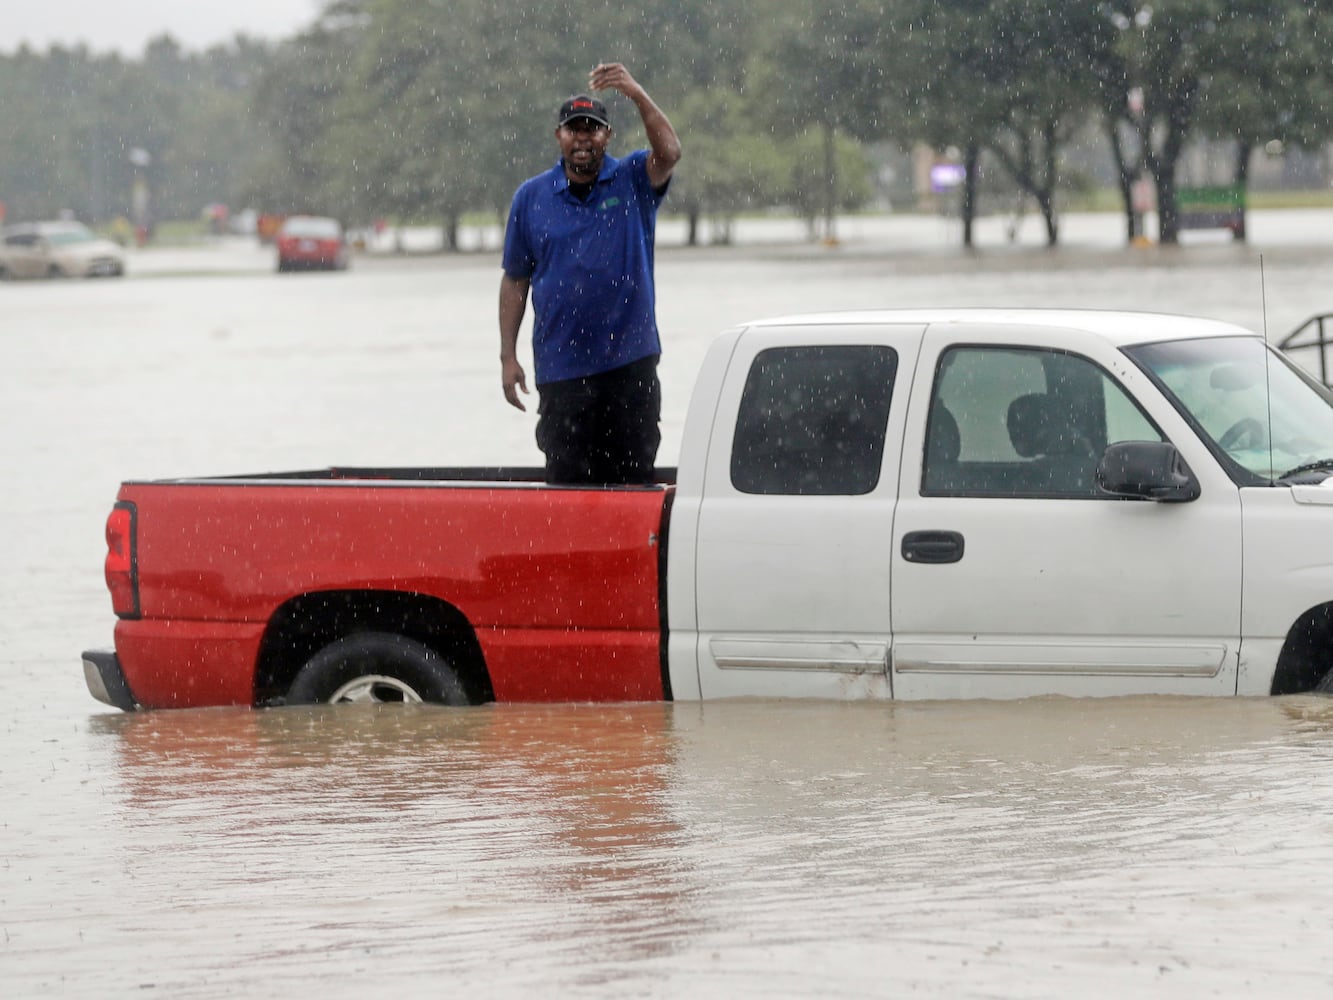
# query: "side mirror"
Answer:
x=1146 y=470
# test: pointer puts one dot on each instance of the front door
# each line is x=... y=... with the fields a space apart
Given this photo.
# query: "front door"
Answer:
x=1014 y=576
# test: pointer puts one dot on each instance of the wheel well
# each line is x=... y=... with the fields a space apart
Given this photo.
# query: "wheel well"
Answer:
x=308 y=623
x=1307 y=653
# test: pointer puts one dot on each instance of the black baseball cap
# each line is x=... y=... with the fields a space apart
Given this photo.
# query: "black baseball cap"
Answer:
x=583 y=106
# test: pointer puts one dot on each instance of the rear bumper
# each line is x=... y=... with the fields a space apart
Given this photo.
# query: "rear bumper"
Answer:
x=306 y=263
x=181 y=663
x=106 y=681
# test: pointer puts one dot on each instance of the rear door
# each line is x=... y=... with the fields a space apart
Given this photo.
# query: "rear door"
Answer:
x=794 y=543
x=1013 y=575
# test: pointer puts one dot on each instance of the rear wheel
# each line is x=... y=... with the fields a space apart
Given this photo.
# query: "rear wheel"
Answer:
x=376 y=667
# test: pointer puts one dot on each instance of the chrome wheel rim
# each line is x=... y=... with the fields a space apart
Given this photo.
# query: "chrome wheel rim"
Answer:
x=375 y=689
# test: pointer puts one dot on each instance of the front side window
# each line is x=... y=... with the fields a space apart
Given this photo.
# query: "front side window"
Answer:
x=812 y=420
x=1008 y=421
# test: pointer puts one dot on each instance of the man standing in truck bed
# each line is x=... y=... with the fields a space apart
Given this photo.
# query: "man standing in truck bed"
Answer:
x=580 y=237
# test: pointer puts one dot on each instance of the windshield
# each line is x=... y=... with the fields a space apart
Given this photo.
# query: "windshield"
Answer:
x=1256 y=407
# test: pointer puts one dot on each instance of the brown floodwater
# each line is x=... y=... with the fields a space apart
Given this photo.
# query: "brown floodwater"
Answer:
x=744 y=848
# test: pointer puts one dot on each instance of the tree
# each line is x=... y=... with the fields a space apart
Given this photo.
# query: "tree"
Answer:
x=1281 y=93
x=447 y=114
x=1185 y=54
x=1046 y=57
x=1014 y=77
x=433 y=110
x=72 y=121
x=731 y=167
x=807 y=185
x=217 y=135
x=297 y=101
x=821 y=66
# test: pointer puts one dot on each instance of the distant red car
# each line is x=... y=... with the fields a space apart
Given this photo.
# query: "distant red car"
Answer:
x=311 y=242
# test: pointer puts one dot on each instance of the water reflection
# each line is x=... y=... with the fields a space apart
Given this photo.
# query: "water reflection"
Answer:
x=749 y=846
x=956 y=793
x=486 y=815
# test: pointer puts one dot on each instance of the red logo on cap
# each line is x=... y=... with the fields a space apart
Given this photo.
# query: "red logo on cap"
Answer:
x=582 y=104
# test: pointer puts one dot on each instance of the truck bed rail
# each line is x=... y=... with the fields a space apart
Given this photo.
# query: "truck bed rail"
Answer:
x=346 y=474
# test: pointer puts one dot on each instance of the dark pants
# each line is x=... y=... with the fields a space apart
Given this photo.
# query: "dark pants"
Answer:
x=602 y=428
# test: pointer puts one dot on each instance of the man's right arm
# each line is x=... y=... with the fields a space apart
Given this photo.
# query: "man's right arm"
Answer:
x=513 y=305
x=664 y=144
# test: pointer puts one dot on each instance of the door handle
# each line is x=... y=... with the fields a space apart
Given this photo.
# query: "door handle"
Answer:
x=933 y=546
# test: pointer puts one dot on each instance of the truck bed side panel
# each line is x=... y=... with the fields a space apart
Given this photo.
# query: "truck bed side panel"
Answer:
x=562 y=586
x=188 y=664
x=544 y=665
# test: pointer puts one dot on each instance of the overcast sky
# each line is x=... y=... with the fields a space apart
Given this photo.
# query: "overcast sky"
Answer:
x=125 y=26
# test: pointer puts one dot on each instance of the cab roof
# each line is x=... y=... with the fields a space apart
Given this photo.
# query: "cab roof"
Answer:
x=1117 y=327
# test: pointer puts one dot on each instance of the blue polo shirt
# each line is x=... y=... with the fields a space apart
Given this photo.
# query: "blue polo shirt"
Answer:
x=591 y=266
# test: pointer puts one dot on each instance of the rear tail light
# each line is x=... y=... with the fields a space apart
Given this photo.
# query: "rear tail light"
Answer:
x=122 y=570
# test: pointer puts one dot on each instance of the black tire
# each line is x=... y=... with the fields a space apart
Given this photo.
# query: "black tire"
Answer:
x=376 y=667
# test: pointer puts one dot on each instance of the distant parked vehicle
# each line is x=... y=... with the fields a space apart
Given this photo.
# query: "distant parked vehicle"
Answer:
x=312 y=242
x=57 y=250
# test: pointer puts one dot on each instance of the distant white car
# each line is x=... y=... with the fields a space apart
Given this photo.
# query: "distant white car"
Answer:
x=57 y=250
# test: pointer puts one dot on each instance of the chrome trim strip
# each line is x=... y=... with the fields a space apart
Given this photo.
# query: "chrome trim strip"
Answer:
x=1108 y=660
x=848 y=657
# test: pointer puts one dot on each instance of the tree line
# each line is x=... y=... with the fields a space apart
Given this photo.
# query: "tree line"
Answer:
x=437 y=109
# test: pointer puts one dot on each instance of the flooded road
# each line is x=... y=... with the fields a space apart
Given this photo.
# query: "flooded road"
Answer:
x=728 y=849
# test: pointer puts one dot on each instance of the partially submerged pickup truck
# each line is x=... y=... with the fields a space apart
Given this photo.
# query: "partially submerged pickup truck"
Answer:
x=912 y=504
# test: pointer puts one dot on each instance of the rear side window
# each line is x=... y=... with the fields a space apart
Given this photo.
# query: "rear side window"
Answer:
x=812 y=420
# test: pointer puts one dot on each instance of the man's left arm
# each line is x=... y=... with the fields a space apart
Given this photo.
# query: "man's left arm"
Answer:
x=663 y=143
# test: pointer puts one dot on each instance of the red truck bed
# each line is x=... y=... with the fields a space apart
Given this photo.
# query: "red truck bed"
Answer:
x=539 y=593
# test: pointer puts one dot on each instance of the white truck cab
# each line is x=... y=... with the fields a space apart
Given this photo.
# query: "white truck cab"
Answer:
x=1001 y=504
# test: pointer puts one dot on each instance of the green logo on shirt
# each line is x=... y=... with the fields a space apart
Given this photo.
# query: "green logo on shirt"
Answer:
x=611 y=202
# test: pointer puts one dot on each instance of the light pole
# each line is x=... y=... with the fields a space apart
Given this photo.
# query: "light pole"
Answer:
x=1134 y=177
x=139 y=204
